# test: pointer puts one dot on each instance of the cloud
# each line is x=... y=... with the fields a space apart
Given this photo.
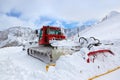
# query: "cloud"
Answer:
x=67 y=9
x=14 y=13
x=10 y=21
x=26 y=12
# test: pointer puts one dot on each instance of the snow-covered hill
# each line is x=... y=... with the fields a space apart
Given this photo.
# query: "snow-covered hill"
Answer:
x=107 y=29
x=16 y=36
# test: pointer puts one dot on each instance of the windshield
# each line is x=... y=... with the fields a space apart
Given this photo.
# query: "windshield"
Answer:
x=51 y=31
x=40 y=33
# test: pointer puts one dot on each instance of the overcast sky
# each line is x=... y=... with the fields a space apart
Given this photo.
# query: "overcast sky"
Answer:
x=26 y=12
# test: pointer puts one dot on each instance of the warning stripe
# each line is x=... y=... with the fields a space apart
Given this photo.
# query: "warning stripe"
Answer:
x=109 y=71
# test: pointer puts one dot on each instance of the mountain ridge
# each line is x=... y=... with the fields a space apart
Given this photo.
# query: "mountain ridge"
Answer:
x=110 y=15
x=16 y=36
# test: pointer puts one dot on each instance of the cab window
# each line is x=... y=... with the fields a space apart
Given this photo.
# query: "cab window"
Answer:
x=51 y=31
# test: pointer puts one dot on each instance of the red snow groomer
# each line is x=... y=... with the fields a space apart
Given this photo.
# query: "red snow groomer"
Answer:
x=43 y=50
x=92 y=45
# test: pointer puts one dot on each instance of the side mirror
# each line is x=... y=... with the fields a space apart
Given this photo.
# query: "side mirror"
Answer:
x=36 y=32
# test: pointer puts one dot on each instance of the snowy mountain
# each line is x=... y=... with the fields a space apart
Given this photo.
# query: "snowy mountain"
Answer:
x=16 y=36
x=70 y=32
x=110 y=15
x=107 y=29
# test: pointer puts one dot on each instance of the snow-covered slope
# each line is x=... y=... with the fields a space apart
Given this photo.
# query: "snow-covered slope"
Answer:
x=16 y=36
x=107 y=29
x=110 y=15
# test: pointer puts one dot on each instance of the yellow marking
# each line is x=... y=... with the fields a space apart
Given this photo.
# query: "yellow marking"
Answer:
x=48 y=65
x=109 y=71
